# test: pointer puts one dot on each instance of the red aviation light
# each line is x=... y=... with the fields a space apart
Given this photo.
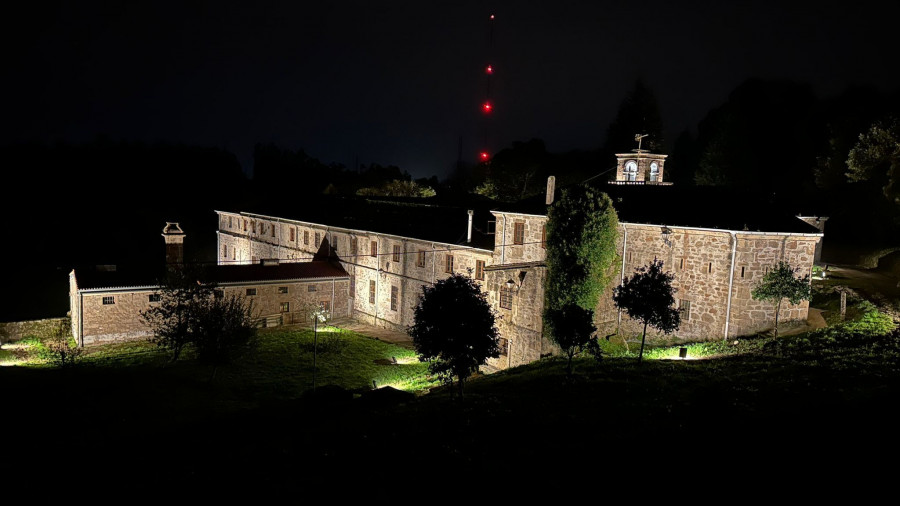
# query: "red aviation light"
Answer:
x=492 y=16
x=484 y=156
x=489 y=69
x=487 y=107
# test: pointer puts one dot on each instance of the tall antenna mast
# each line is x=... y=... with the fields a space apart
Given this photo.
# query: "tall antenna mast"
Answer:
x=487 y=107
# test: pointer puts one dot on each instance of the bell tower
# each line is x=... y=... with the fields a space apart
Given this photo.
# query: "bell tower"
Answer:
x=640 y=166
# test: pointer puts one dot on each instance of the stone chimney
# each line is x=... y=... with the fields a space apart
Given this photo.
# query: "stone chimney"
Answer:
x=174 y=237
x=551 y=189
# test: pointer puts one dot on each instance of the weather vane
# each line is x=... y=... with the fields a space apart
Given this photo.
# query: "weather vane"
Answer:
x=638 y=138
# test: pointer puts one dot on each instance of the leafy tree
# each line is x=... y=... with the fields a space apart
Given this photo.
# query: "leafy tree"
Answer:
x=223 y=329
x=572 y=327
x=182 y=304
x=516 y=172
x=638 y=114
x=877 y=157
x=779 y=284
x=581 y=248
x=648 y=297
x=398 y=188
x=61 y=349
x=454 y=327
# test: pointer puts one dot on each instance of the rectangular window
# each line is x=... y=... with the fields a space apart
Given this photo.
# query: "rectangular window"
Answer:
x=325 y=305
x=224 y=251
x=245 y=225
x=448 y=263
x=282 y=289
x=395 y=298
x=420 y=260
x=519 y=233
x=262 y=228
x=154 y=297
x=252 y=227
x=109 y=300
x=709 y=269
x=316 y=244
x=292 y=234
x=233 y=253
x=506 y=298
x=311 y=288
x=396 y=256
x=306 y=237
x=273 y=230
x=251 y=291
x=742 y=272
x=229 y=222
x=503 y=344
x=373 y=249
x=684 y=307
x=479 y=269
x=285 y=307
x=371 y=292
x=354 y=246
x=544 y=236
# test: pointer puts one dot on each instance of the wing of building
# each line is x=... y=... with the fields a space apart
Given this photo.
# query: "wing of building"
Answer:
x=106 y=302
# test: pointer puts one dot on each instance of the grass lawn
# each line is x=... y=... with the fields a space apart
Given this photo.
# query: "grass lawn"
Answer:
x=281 y=366
x=761 y=414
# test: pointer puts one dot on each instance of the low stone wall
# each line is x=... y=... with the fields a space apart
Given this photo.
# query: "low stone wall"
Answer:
x=16 y=331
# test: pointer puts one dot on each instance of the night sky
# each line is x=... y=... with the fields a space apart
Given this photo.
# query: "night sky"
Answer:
x=400 y=82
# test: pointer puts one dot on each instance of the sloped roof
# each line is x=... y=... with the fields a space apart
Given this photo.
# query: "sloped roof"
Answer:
x=690 y=206
x=435 y=219
x=90 y=279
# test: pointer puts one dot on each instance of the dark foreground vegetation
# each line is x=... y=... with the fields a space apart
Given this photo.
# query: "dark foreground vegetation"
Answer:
x=800 y=411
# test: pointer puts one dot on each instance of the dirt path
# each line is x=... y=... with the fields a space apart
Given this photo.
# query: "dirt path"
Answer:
x=879 y=285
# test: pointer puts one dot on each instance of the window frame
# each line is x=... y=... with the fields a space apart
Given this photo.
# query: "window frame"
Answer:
x=109 y=300
x=395 y=297
x=420 y=259
x=395 y=256
x=519 y=233
x=448 y=263
x=506 y=297
x=479 y=270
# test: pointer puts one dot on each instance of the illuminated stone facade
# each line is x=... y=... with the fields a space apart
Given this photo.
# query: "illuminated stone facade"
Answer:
x=387 y=272
x=714 y=272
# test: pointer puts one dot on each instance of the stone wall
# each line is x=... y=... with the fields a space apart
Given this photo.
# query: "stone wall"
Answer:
x=506 y=251
x=521 y=324
x=119 y=321
x=16 y=331
x=701 y=263
x=269 y=299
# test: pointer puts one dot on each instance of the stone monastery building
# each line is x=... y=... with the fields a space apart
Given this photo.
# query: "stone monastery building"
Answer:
x=718 y=245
